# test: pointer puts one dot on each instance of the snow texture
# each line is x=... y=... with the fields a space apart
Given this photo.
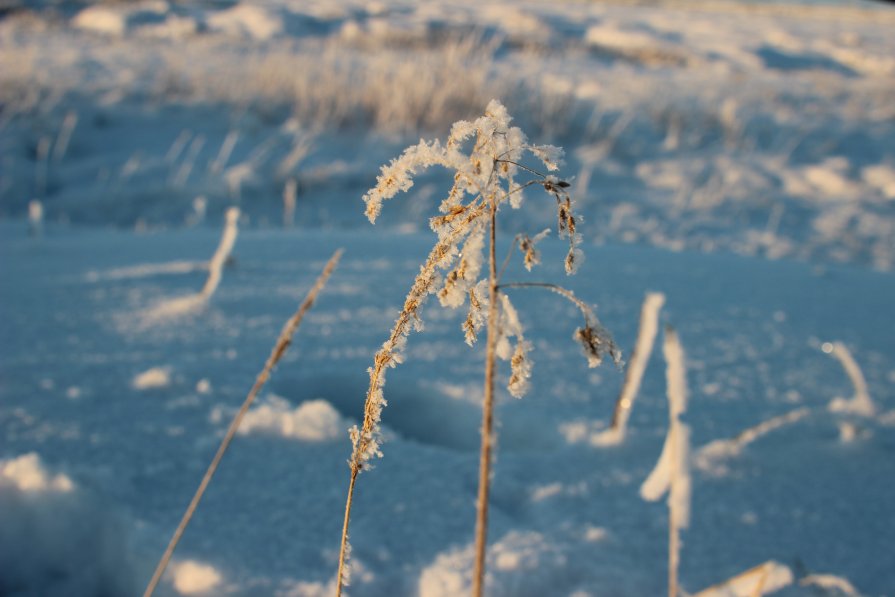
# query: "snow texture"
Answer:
x=735 y=156
x=57 y=539
x=311 y=421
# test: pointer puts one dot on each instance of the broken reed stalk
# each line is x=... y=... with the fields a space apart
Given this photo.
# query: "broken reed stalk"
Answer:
x=672 y=472
x=679 y=481
x=481 y=520
x=646 y=335
x=279 y=349
x=216 y=265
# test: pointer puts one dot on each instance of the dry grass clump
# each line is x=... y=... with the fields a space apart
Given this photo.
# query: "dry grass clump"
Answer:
x=486 y=156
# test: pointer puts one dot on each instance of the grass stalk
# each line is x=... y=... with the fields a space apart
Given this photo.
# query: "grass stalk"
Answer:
x=481 y=522
x=279 y=349
x=365 y=442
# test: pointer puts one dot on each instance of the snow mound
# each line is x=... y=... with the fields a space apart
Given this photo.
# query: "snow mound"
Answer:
x=194 y=578
x=157 y=377
x=27 y=474
x=311 y=421
x=150 y=18
x=249 y=21
x=55 y=539
x=516 y=566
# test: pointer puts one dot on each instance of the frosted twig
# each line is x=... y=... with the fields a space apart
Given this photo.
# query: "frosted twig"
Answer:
x=860 y=403
x=646 y=335
x=672 y=472
x=595 y=340
x=755 y=582
x=709 y=455
x=216 y=265
x=366 y=439
x=279 y=349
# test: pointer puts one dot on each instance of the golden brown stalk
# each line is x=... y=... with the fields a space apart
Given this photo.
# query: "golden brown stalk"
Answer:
x=481 y=521
x=365 y=439
x=279 y=349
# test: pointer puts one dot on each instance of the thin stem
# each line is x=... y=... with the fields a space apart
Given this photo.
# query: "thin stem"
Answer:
x=279 y=349
x=481 y=528
x=385 y=356
x=588 y=313
x=517 y=164
x=506 y=260
x=343 y=548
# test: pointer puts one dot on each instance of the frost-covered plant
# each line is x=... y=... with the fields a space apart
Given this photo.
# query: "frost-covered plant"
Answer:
x=486 y=158
x=672 y=472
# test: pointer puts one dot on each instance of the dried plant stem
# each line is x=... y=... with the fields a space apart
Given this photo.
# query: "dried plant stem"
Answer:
x=586 y=311
x=481 y=523
x=279 y=349
x=343 y=547
x=385 y=357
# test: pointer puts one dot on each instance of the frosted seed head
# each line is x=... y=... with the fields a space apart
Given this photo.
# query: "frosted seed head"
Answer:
x=498 y=112
x=574 y=259
x=550 y=155
x=520 y=370
x=593 y=345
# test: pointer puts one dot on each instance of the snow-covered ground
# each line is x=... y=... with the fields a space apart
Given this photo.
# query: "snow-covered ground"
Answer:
x=739 y=158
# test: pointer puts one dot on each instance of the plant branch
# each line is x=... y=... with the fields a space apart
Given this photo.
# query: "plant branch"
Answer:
x=481 y=528
x=365 y=439
x=585 y=309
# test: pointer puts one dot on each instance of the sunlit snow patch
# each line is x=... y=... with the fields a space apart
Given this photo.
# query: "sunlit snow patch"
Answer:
x=194 y=578
x=518 y=557
x=55 y=538
x=311 y=421
x=157 y=377
x=27 y=474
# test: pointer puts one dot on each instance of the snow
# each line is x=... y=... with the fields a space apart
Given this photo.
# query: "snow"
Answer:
x=313 y=421
x=735 y=157
x=27 y=474
x=156 y=377
x=195 y=578
x=57 y=538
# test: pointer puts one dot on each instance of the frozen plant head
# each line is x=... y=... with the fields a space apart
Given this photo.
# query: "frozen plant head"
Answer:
x=488 y=159
x=487 y=156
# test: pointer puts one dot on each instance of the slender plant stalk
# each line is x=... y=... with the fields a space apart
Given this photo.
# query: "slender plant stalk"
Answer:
x=646 y=335
x=382 y=360
x=481 y=523
x=279 y=349
x=343 y=547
